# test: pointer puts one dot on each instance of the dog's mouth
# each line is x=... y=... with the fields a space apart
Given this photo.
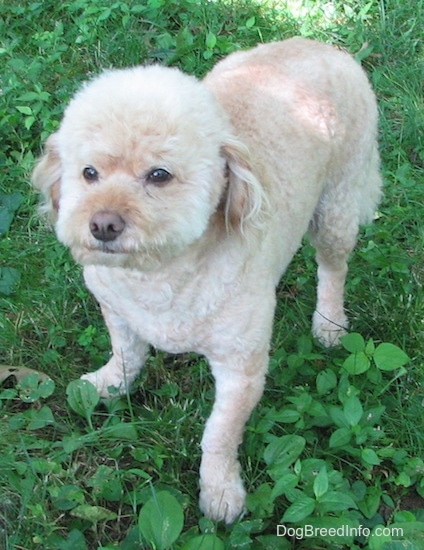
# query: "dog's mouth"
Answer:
x=99 y=254
x=108 y=256
x=104 y=247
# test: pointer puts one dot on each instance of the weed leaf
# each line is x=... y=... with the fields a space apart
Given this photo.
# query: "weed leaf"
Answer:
x=299 y=510
x=287 y=416
x=40 y=419
x=204 y=542
x=338 y=417
x=353 y=410
x=284 y=450
x=371 y=502
x=326 y=381
x=66 y=497
x=210 y=41
x=370 y=457
x=123 y=430
x=75 y=541
x=377 y=542
x=161 y=520
x=353 y=342
x=9 y=278
x=250 y=22
x=82 y=397
x=389 y=357
x=284 y=483
x=340 y=437
x=357 y=363
x=94 y=514
x=31 y=384
x=8 y=206
x=240 y=533
x=321 y=483
x=336 y=501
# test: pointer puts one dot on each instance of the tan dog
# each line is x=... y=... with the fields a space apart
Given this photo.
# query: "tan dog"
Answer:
x=185 y=201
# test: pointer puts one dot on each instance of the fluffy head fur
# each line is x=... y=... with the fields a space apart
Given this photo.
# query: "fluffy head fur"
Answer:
x=116 y=125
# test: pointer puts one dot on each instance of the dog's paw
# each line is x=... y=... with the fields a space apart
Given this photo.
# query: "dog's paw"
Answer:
x=107 y=383
x=327 y=331
x=223 y=503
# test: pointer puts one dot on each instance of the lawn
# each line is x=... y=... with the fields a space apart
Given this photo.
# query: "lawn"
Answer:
x=337 y=442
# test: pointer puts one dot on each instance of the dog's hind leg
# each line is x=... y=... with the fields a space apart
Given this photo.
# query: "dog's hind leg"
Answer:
x=238 y=389
x=333 y=232
x=329 y=319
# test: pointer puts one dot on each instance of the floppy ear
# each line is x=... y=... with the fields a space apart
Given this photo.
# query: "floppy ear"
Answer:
x=46 y=178
x=245 y=195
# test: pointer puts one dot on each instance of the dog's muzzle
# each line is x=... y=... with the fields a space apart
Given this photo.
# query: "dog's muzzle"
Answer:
x=106 y=226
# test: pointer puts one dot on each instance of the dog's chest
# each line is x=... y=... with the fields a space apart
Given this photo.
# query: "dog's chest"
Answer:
x=172 y=318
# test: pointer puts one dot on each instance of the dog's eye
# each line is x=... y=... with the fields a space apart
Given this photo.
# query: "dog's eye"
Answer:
x=90 y=174
x=159 y=176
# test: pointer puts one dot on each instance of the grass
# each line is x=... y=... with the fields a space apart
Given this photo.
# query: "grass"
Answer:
x=76 y=474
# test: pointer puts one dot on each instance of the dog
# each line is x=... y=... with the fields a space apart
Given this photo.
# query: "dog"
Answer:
x=185 y=201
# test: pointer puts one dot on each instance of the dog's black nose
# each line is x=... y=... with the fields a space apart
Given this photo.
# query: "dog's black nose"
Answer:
x=106 y=226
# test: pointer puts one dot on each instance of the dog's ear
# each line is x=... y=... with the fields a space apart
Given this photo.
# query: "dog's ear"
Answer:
x=46 y=178
x=245 y=196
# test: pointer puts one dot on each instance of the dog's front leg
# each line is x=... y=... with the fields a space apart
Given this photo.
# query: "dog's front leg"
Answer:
x=129 y=353
x=238 y=389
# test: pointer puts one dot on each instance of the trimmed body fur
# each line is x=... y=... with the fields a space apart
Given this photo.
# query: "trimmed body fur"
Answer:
x=186 y=200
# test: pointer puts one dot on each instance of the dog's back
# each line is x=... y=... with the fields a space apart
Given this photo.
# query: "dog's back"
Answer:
x=309 y=117
x=303 y=108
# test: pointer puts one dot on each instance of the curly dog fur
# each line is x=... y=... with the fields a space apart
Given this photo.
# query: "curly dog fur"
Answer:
x=185 y=201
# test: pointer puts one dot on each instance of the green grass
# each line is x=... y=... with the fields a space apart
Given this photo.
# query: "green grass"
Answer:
x=75 y=474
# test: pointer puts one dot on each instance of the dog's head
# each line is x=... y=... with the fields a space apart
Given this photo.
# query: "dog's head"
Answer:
x=143 y=162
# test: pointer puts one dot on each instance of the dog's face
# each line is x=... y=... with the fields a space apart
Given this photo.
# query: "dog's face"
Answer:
x=139 y=166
